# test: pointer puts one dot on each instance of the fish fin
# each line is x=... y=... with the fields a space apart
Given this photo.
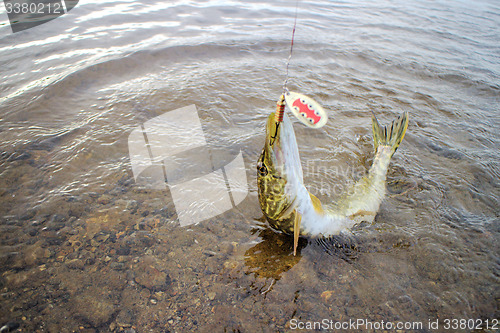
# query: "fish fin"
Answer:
x=318 y=207
x=296 y=231
x=288 y=210
x=390 y=135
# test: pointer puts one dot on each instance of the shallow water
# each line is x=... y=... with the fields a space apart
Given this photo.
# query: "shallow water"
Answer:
x=85 y=248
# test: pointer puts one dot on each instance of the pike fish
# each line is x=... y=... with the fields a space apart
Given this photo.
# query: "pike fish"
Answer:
x=286 y=202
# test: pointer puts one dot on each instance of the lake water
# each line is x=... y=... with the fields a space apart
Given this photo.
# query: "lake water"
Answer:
x=83 y=248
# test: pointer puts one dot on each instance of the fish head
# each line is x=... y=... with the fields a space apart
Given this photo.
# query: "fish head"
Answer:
x=280 y=156
x=272 y=159
x=276 y=171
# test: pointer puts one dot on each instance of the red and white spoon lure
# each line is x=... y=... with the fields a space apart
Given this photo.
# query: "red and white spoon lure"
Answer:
x=306 y=110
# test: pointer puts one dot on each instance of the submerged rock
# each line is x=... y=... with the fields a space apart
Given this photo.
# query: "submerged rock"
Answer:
x=75 y=264
x=132 y=205
x=124 y=318
x=117 y=266
x=148 y=275
x=36 y=253
x=96 y=310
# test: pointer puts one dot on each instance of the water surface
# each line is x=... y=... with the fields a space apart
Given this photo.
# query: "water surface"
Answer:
x=84 y=248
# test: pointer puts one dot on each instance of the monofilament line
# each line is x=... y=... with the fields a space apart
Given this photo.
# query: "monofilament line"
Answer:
x=291 y=47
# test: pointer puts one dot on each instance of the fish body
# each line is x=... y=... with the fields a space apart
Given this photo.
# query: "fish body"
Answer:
x=286 y=202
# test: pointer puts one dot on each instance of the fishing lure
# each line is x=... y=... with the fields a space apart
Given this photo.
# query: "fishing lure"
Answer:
x=304 y=108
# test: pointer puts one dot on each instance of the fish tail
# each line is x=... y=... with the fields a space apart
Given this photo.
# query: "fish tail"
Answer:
x=391 y=135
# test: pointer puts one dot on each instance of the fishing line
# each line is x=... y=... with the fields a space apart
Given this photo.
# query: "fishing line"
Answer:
x=280 y=107
x=304 y=108
x=291 y=47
